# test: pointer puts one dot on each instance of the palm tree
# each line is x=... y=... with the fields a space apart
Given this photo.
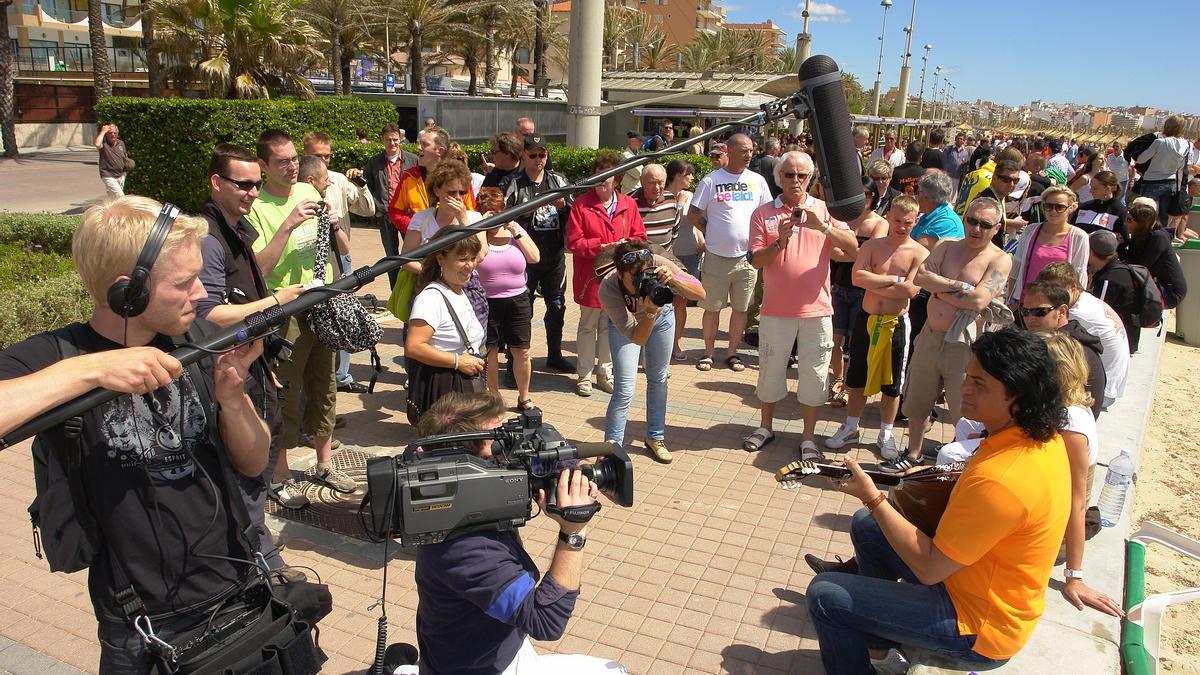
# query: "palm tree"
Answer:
x=658 y=54
x=786 y=58
x=101 y=70
x=618 y=21
x=149 y=49
x=490 y=17
x=246 y=48
x=426 y=22
x=331 y=18
x=8 y=73
x=514 y=31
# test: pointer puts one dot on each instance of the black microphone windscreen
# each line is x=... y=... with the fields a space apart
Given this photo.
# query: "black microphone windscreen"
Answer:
x=841 y=170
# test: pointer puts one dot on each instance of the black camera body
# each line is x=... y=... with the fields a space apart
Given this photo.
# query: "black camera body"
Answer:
x=438 y=489
x=649 y=287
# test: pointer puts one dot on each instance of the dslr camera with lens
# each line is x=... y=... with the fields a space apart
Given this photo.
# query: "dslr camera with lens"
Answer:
x=649 y=287
x=438 y=489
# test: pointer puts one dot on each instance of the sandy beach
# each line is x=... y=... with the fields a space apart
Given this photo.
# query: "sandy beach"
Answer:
x=1165 y=495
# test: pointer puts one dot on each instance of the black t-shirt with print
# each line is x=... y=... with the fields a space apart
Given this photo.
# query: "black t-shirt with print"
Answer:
x=150 y=474
x=906 y=176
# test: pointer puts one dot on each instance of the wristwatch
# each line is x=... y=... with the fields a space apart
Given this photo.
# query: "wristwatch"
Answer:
x=575 y=541
x=1072 y=574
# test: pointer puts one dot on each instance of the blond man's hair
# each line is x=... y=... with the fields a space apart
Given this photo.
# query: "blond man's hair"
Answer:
x=111 y=236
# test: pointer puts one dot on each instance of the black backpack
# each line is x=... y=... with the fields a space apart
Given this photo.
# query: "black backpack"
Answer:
x=1149 y=297
x=64 y=534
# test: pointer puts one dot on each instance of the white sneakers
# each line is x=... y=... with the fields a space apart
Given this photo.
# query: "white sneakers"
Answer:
x=843 y=437
x=887 y=445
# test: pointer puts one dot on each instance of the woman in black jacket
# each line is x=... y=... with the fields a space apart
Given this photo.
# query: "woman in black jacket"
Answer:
x=1149 y=245
x=1104 y=211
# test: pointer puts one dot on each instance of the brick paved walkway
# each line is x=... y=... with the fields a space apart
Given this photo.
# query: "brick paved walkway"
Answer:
x=703 y=575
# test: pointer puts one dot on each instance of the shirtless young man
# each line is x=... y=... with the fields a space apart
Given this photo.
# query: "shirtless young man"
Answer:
x=886 y=268
x=846 y=297
x=962 y=275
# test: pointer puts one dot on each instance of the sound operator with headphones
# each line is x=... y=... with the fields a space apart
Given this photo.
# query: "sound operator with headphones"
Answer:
x=153 y=478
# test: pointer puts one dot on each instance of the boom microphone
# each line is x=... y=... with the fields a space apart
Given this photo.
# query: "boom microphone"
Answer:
x=841 y=171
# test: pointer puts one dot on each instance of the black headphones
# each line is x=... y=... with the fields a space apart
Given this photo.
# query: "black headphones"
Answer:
x=129 y=297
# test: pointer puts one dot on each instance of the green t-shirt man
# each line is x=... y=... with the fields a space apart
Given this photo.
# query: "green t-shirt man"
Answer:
x=298 y=259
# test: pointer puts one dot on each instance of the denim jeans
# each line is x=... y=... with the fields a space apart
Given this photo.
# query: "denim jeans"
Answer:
x=1160 y=191
x=870 y=610
x=625 y=358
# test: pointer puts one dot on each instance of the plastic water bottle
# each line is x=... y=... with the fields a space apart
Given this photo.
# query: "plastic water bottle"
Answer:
x=1116 y=486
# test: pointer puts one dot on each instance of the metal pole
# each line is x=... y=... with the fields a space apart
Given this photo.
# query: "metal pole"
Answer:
x=803 y=49
x=937 y=73
x=583 y=93
x=921 y=96
x=886 y=4
x=905 y=71
x=259 y=324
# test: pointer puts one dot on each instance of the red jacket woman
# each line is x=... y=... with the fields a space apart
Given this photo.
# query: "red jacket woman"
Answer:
x=600 y=219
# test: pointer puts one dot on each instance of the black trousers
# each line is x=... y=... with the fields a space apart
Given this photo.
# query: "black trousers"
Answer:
x=549 y=277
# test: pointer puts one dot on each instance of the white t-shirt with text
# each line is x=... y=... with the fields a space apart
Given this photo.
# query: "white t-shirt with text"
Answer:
x=728 y=200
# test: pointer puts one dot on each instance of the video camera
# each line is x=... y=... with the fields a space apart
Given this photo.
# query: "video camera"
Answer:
x=438 y=489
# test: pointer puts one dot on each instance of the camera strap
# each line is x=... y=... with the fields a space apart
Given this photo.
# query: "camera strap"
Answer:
x=575 y=514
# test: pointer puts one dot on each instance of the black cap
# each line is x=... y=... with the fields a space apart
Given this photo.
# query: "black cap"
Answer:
x=717 y=149
x=1103 y=243
x=633 y=134
x=534 y=141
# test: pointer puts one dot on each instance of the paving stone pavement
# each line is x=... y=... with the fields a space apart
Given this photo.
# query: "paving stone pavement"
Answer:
x=704 y=574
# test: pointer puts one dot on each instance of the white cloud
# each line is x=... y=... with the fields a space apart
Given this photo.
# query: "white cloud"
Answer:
x=822 y=12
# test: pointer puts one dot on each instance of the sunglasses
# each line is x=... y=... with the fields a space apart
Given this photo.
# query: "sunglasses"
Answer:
x=634 y=257
x=795 y=175
x=1051 y=206
x=244 y=185
x=1006 y=179
x=1037 y=311
x=535 y=155
x=981 y=224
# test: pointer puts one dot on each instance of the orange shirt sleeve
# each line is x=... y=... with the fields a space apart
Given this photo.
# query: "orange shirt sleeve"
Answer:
x=981 y=513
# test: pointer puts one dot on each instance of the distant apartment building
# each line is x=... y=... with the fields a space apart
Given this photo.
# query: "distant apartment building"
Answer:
x=52 y=36
x=680 y=20
x=1101 y=119
x=768 y=27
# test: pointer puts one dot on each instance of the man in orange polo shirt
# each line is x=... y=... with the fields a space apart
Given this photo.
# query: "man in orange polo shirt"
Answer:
x=977 y=589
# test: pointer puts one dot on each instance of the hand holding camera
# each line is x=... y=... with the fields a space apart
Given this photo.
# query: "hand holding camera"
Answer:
x=574 y=489
x=305 y=210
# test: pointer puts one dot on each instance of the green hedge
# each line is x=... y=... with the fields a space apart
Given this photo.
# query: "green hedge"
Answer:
x=171 y=139
x=46 y=229
x=22 y=264
x=42 y=305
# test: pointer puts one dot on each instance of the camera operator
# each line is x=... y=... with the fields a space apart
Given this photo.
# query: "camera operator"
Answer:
x=151 y=471
x=480 y=599
x=637 y=321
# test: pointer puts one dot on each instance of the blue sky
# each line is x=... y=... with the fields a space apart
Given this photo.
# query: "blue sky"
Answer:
x=1013 y=51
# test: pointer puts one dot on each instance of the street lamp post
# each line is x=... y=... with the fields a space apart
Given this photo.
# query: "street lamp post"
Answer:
x=886 y=4
x=921 y=95
x=905 y=71
x=937 y=73
x=950 y=102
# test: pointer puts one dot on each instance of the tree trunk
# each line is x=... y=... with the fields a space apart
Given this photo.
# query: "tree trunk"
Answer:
x=472 y=63
x=512 y=78
x=153 y=67
x=416 y=62
x=489 y=53
x=347 y=60
x=8 y=71
x=101 y=70
x=539 y=49
x=335 y=64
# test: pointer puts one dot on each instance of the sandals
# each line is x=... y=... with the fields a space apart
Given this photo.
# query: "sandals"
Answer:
x=679 y=356
x=524 y=404
x=838 y=395
x=705 y=363
x=760 y=438
x=735 y=363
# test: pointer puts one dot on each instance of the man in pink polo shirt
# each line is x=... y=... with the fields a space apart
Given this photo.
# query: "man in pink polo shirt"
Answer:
x=792 y=240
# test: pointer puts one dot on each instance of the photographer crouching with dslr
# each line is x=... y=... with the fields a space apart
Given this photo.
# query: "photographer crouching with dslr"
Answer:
x=638 y=296
x=479 y=594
